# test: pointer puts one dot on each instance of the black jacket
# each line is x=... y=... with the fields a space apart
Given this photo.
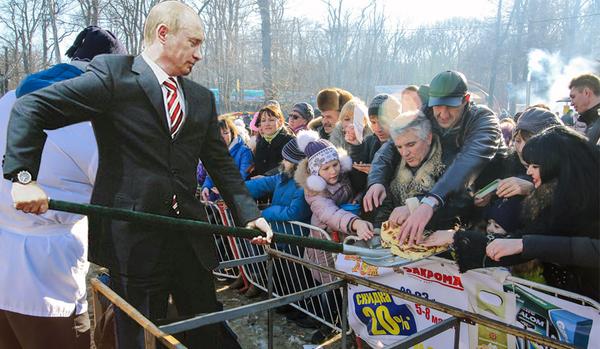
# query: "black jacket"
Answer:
x=140 y=166
x=592 y=120
x=363 y=153
x=467 y=149
x=268 y=155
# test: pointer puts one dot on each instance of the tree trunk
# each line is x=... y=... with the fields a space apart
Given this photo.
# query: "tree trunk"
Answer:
x=265 y=15
x=94 y=13
x=52 y=11
x=495 y=57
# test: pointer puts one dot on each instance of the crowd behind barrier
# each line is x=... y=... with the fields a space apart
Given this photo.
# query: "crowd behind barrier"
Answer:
x=290 y=277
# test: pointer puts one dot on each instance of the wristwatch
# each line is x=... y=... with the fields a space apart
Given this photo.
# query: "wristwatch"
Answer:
x=430 y=201
x=22 y=177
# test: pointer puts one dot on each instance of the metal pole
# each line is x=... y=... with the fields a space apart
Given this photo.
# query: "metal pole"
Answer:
x=270 y=295
x=150 y=329
x=456 y=335
x=344 y=315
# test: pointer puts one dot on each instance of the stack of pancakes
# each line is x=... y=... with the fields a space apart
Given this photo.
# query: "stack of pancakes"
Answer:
x=413 y=252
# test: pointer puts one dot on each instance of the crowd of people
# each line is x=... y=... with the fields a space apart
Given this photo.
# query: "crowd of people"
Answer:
x=343 y=165
x=357 y=166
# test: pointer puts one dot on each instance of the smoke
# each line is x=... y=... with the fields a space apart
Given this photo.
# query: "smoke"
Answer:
x=550 y=76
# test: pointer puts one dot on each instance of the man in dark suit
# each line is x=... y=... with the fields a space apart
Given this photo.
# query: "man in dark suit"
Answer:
x=151 y=126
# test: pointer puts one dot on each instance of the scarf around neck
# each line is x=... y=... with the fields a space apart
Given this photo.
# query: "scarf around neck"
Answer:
x=407 y=184
x=270 y=138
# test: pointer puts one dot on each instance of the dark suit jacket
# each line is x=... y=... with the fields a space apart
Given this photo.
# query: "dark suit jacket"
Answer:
x=140 y=166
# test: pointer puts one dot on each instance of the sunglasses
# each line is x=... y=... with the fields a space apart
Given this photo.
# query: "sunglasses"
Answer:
x=295 y=116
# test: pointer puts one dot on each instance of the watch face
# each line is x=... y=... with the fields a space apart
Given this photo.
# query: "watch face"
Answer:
x=24 y=177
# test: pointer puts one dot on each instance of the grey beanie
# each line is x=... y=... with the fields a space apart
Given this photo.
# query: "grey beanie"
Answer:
x=304 y=109
x=377 y=102
x=535 y=120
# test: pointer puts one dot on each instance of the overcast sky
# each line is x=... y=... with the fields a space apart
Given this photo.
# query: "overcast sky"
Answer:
x=412 y=12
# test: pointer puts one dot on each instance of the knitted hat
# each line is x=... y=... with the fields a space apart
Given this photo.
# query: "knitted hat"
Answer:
x=304 y=109
x=386 y=107
x=253 y=125
x=505 y=212
x=376 y=104
x=319 y=152
x=93 y=41
x=291 y=153
x=535 y=120
x=333 y=99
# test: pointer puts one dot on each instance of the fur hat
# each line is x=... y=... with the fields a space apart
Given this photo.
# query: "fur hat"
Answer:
x=319 y=152
x=332 y=99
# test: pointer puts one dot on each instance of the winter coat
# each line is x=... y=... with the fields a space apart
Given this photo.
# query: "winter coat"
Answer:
x=468 y=148
x=267 y=156
x=41 y=79
x=326 y=214
x=362 y=153
x=242 y=156
x=592 y=120
x=409 y=183
x=569 y=247
x=288 y=203
x=288 y=198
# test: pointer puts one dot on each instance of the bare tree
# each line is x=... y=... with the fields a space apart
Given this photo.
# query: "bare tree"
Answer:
x=265 y=16
x=22 y=19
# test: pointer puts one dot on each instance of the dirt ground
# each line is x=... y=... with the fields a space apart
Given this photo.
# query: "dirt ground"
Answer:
x=252 y=329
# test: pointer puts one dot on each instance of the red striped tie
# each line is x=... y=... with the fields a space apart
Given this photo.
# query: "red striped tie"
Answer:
x=173 y=106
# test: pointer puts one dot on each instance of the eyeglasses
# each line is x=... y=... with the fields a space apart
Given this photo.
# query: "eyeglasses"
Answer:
x=295 y=116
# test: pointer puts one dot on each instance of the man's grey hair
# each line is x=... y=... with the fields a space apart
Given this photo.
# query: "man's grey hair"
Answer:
x=412 y=120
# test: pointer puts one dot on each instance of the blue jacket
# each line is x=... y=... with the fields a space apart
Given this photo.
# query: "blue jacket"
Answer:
x=47 y=77
x=242 y=156
x=288 y=205
x=288 y=198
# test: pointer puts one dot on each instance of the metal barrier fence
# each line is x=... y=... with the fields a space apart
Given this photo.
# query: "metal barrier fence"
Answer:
x=289 y=277
x=318 y=291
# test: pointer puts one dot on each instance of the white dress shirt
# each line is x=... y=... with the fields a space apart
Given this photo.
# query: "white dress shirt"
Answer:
x=162 y=76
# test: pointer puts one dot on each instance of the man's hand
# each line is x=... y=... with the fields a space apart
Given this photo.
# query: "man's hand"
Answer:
x=29 y=198
x=205 y=194
x=504 y=247
x=262 y=225
x=484 y=201
x=440 y=238
x=412 y=229
x=374 y=197
x=364 y=168
x=513 y=186
x=363 y=229
x=398 y=216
